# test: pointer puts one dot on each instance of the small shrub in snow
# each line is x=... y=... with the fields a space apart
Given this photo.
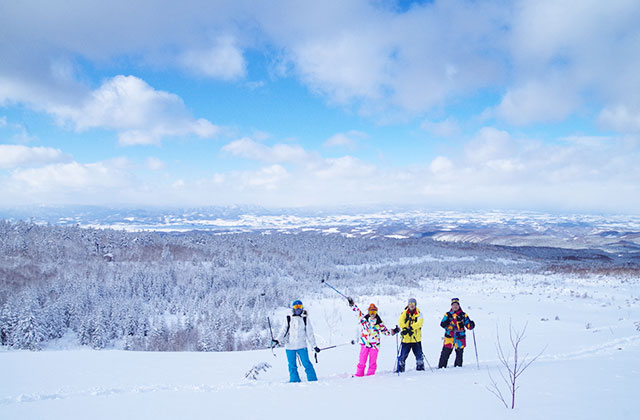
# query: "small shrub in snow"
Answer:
x=511 y=368
x=255 y=371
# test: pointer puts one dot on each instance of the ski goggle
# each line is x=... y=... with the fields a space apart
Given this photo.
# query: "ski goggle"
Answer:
x=297 y=306
x=373 y=311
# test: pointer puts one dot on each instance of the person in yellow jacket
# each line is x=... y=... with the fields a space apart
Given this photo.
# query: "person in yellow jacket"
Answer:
x=410 y=323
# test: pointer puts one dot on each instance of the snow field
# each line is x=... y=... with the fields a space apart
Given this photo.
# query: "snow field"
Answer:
x=590 y=367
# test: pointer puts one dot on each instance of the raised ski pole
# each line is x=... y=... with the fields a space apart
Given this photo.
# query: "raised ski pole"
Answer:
x=475 y=347
x=271 y=344
x=324 y=281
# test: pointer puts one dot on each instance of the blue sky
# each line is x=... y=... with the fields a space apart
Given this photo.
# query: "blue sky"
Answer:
x=442 y=104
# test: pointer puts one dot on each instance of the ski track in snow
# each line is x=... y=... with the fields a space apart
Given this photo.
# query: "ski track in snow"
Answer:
x=607 y=347
x=104 y=392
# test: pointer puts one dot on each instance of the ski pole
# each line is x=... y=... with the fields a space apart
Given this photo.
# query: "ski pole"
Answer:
x=271 y=344
x=427 y=360
x=475 y=347
x=324 y=281
x=397 y=355
x=333 y=347
x=338 y=345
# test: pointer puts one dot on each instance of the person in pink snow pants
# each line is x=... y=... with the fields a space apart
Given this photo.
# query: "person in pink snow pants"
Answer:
x=371 y=328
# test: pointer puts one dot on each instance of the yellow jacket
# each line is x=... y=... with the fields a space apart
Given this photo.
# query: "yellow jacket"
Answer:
x=411 y=326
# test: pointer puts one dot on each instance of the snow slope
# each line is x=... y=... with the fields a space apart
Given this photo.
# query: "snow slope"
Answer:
x=590 y=368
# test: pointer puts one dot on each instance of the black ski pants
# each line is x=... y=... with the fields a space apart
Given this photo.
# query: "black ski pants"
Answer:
x=444 y=357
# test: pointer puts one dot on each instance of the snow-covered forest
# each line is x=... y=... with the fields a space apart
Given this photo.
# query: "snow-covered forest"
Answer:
x=207 y=291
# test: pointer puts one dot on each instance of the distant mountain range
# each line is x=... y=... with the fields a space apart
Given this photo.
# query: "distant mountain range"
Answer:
x=611 y=233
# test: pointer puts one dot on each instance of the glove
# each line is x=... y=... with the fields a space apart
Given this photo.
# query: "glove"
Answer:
x=275 y=343
x=316 y=349
x=407 y=331
x=351 y=303
x=396 y=330
x=472 y=325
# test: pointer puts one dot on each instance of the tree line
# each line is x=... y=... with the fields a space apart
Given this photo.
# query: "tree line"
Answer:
x=199 y=291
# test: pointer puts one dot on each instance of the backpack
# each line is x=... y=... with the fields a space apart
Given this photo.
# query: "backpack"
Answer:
x=304 y=318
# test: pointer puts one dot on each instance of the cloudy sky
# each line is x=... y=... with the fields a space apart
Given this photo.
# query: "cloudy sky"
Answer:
x=447 y=104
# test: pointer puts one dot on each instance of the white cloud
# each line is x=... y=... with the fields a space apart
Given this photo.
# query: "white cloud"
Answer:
x=155 y=164
x=178 y=184
x=340 y=140
x=441 y=165
x=620 y=118
x=489 y=144
x=445 y=128
x=550 y=59
x=347 y=140
x=588 y=46
x=538 y=101
x=223 y=60
x=73 y=176
x=345 y=168
x=140 y=114
x=279 y=153
x=409 y=61
x=344 y=66
x=495 y=169
x=495 y=158
x=14 y=156
x=312 y=163
x=385 y=60
x=269 y=177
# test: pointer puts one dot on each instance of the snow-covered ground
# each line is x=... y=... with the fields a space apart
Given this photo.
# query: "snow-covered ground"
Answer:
x=589 y=328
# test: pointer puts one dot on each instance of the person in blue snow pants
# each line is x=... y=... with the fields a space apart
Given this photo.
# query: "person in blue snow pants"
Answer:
x=306 y=363
x=296 y=332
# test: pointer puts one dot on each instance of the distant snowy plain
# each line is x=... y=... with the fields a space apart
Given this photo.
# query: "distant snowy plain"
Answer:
x=588 y=326
x=509 y=228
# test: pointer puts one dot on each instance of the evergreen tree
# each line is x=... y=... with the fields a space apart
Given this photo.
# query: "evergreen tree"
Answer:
x=28 y=333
